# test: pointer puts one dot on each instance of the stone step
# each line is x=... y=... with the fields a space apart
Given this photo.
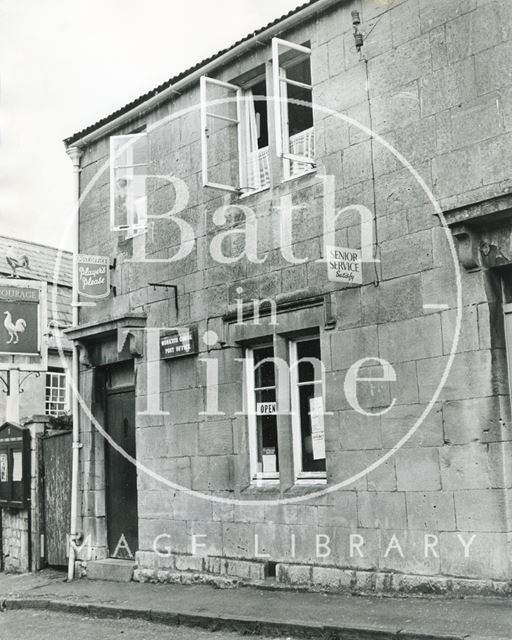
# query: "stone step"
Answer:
x=111 y=569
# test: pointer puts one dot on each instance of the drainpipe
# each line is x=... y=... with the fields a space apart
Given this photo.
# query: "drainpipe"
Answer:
x=75 y=153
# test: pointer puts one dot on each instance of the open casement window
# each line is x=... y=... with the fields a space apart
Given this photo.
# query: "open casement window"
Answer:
x=295 y=136
x=234 y=136
x=128 y=169
x=260 y=378
x=307 y=404
x=221 y=134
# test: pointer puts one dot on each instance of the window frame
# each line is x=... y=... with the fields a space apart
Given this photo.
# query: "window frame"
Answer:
x=301 y=476
x=256 y=477
x=61 y=375
x=131 y=229
x=205 y=114
x=280 y=103
x=241 y=122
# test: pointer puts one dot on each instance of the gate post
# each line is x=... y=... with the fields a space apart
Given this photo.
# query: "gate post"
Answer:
x=37 y=426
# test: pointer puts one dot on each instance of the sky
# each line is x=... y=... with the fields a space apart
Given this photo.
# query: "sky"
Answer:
x=64 y=64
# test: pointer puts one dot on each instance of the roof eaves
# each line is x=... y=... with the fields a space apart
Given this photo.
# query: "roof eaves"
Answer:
x=168 y=83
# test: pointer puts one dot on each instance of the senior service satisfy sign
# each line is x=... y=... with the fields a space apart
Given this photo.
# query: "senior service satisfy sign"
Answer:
x=93 y=276
x=344 y=265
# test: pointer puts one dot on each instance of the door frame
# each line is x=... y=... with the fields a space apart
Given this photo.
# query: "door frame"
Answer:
x=106 y=395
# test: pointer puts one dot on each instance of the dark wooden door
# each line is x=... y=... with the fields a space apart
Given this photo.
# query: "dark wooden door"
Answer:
x=57 y=456
x=121 y=475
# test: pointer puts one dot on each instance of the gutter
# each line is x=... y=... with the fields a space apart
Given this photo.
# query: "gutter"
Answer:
x=229 y=56
x=75 y=155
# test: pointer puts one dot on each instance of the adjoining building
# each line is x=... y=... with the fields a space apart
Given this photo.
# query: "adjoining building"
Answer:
x=212 y=197
x=35 y=302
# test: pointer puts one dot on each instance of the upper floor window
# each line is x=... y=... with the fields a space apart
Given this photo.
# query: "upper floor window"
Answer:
x=56 y=397
x=128 y=169
x=235 y=137
x=235 y=140
x=295 y=140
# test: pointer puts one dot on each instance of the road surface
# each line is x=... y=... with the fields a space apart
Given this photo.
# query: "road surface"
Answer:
x=44 y=625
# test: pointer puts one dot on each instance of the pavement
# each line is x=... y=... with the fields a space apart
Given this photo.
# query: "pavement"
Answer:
x=258 y=611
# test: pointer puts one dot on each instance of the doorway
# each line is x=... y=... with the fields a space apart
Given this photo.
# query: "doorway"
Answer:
x=120 y=473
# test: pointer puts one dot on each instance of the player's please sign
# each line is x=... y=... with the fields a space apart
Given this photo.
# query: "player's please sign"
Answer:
x=93 y=276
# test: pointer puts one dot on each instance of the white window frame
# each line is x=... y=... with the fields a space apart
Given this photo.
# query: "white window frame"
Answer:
x=280 y=83
x=302 y=477
x=257 y=477
x=61 y=376
x=131 y=228
x=205 y=115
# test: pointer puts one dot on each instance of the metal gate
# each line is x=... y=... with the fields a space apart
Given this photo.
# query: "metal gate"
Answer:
x=56 y=451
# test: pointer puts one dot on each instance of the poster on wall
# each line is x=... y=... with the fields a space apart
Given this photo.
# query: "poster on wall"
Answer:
x=17 y=466
x=3 y=467
x=19 y=314
x=93 y=276
x=344 y=265
x=316 y=413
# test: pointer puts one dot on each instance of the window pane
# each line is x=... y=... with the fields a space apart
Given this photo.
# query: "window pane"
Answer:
x=309 y=349
x=265 y=421
x=300 y=116
x=121 y=154
x=264 y=372
x=130 y=197
x=255 y=130
x=259 y=92
x=300 y=71
x=129 y=151
x=140 y=150
x=266 y=425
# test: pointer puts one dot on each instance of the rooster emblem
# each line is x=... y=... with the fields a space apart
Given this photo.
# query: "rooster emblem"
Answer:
x=17 y=263
x=14 y=328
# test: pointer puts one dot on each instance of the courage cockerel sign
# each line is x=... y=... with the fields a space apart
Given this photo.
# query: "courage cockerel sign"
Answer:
x=19 y=315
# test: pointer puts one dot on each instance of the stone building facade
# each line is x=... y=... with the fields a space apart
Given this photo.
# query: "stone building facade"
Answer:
x=257 y=494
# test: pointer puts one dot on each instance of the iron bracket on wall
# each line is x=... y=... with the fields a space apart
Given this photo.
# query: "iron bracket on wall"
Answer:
x=7 y=383
x=37 y=374
x=167 y=286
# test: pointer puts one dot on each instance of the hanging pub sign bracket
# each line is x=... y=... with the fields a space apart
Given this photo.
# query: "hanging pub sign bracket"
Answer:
x=6 y=382
x=36 y=374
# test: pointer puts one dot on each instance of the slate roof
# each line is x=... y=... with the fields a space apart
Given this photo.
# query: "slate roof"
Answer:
x=42 y=260
x=165 y=85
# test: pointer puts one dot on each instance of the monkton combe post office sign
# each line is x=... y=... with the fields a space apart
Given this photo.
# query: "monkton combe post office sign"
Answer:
x=19 y=314
x=93 y=276
x=178 y=343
